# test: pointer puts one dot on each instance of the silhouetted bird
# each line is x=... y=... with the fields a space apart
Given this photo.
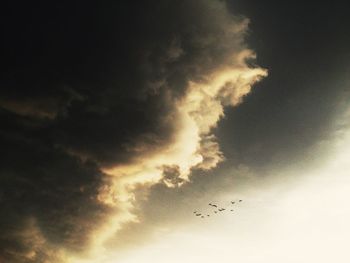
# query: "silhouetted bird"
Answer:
x=240 y=200
x=232 y=202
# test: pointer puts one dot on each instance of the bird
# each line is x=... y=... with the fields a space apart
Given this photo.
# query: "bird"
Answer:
x=217 y=210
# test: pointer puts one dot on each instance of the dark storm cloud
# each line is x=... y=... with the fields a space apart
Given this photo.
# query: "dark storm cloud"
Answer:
x=89 y=86
x=93 y=68
x=55 y=191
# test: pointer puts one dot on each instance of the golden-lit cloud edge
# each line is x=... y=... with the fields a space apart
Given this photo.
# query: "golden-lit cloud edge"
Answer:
x=194 y=146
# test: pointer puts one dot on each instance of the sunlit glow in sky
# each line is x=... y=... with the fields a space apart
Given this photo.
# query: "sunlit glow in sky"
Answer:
x=301 y=219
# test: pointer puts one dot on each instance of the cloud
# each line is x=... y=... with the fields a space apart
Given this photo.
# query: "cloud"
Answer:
x=48 y=202
x=30 y=247
x=120 y=96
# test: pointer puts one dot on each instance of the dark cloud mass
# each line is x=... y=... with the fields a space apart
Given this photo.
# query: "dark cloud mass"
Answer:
x=88 y=86
x=48 y=190
x=81 y=72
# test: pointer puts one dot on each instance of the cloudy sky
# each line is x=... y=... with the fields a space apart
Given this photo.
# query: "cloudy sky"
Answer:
x=120 y=119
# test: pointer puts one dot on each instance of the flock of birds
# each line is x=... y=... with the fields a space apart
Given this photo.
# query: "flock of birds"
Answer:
x=216 y=208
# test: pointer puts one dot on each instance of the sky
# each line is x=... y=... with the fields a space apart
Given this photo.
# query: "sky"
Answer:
x=120 y=119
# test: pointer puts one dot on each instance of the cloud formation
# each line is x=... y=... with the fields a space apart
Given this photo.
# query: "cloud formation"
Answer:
x=115 y=97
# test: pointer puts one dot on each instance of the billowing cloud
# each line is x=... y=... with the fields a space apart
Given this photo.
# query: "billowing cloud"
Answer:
x=120 y=97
